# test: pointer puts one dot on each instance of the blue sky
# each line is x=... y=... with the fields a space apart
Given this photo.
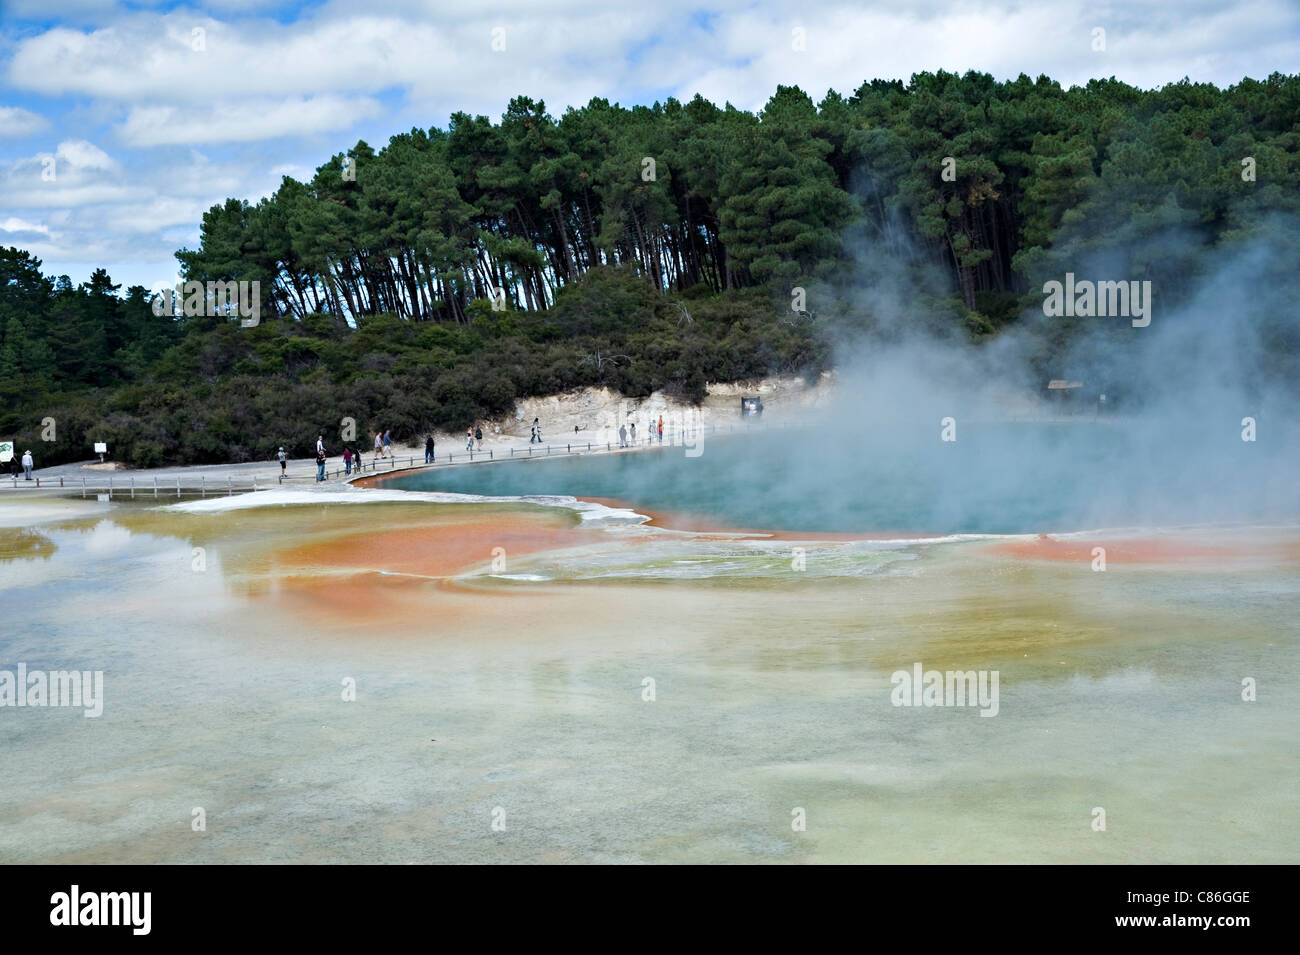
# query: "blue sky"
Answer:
x=148 y=113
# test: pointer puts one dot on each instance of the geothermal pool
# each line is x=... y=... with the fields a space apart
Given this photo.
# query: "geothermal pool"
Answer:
x=427 y=676
x=995 y=478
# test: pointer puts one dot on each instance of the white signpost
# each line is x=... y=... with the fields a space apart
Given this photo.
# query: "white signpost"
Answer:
x=101 y=448
x=6 y=451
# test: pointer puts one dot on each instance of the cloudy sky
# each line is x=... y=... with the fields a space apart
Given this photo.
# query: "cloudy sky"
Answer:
x=120 y=123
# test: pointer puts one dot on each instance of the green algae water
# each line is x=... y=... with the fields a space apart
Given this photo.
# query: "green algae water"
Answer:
x=630 y=696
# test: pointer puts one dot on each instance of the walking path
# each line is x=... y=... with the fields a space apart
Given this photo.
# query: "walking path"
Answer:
x=241 y=478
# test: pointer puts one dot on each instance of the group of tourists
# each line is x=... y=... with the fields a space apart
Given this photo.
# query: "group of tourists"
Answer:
x=627 y=432
x=351 y=456
x=27 y=465
x=384 y=446
x=383 y=449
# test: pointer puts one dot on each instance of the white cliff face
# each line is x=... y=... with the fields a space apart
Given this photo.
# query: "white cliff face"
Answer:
x=598 y=412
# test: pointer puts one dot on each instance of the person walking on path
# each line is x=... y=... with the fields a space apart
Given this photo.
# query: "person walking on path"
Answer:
x=379 y=445
x=320 y=464
x=428 y=450
x=478 y=436
x=634 y=432
x=347 y=460
x=469 y=439
x=388 y=443
x=622 y=436
x=661 y=429
x=284 y=463
x=537 y=432
x=28 y=464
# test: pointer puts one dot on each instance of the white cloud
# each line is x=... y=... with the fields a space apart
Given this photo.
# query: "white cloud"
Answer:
x=848 y=44
x=81 y=155
x=266 y=98
x=294 y=170
x=77 y=173
x=114 y=214
x=567 y=52
x=16 y=122
x=149 y=57
x=244 y=121
x=18 y=225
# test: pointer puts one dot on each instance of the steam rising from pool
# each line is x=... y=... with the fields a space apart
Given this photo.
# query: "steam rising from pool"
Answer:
x=928 y=433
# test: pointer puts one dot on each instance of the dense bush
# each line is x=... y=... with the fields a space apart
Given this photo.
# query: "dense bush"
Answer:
x=226 y=393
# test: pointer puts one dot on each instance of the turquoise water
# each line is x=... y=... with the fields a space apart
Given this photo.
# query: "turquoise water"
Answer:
x=995 y=478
